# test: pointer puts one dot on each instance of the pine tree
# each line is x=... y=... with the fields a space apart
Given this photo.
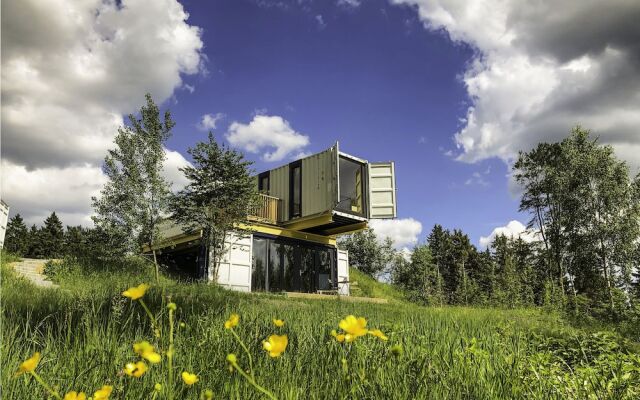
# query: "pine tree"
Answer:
x=52 y=236
x=17 y=236
x=36 y=244
x=217 y=198
x=366 y=253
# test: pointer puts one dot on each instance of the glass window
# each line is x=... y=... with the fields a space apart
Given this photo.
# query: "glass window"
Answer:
x=351 y=186
x=276 y=261
x=323 y=260
x=296 y=191
x=263 y=182
x=259 y=265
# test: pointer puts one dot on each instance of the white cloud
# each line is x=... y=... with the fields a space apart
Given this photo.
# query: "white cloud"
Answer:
x=270 y=135
x=320 y=21
x=171 y=170
x=70 y=70
x=208 y=122
x=514 y=229
x=404 y=231
x=541 y=68
x=349 y=3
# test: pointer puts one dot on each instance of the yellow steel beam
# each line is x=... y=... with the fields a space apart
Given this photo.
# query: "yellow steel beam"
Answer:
x=285 y=232
x=310 y=222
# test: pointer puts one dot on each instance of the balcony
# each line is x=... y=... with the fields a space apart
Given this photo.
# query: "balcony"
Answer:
x=268 y=210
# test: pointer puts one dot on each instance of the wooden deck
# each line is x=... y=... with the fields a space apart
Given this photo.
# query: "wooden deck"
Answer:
x=317 y=296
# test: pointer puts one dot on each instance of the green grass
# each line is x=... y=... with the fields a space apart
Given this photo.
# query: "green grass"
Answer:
x=85 y=331
x=365 y=286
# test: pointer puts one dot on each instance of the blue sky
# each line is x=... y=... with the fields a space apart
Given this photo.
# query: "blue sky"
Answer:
x=449 y=90
x=371 y=78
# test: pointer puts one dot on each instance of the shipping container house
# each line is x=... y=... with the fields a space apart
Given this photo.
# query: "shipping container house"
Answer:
x=289 y=240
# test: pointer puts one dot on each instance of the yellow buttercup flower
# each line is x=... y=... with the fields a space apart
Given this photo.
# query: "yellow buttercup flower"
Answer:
x=354 y=327
x=275 y=345
x=136 y=370
x=278 y=322
x=135 y=293
x=232 y=322
x=189 y=378
x=75 y=396
x=157 y=387
x=207 y=394
x=103 y=393
x=378 y=333
x=30 y=364
x=145 y=350
x=339 y=336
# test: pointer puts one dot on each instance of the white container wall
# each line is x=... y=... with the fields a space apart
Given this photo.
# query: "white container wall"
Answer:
x=343 y=272
x=234 y=271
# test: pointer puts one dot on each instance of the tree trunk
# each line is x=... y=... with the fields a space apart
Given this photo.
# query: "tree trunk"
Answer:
x=155 y=263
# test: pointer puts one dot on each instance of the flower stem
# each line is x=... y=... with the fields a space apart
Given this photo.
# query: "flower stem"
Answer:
x=170 y=354
x=44 y=384
x=253 y=382
x=246 y=350
x=154 y=322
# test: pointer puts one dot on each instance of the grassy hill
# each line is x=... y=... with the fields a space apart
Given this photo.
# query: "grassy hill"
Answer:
x=86 y=329
x=365 y=286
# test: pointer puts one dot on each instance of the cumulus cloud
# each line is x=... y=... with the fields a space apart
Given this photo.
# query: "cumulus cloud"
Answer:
x=171 y=171
x=208 y=122
x=70 y=70
x=403 y=231
x=270 y=135
x=349 y=3
x=514 y=229
x=541 y=68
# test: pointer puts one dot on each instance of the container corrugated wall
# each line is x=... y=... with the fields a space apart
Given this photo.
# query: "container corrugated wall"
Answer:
x=319 y=182
x=279 y=187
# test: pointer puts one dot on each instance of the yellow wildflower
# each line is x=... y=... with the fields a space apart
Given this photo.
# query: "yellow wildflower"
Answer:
x=172 y=306
x=378 y=333
x=135 y=293
x=75 y=396
x=30 y=364
x=339 y=336
x=145 y=350
x=103 y=393
x=275 y=345
x=232 y=358
x=136 y=370
x=232 y=322
x=188 y=378
x=354 y=327
x=207 y=394
x=158 y=387
x=278 y=322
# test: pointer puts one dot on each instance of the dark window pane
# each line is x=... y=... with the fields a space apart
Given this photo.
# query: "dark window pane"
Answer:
x=259 y=264
x=323 y=257
x=297 y=192
x=307 y=269
x=276 y=258
x=288 y=267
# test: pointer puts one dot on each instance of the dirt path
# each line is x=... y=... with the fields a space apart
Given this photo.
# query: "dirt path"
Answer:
x=32 y=269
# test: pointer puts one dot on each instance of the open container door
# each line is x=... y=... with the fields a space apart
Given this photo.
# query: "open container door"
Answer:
x=382 y=190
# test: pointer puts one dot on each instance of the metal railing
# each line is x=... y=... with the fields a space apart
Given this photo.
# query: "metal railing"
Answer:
x=267 y=210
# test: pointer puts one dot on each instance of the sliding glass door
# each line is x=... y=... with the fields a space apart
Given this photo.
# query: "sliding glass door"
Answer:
x=294 y=266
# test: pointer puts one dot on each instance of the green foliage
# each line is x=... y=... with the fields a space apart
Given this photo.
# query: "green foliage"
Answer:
x=136 y=194
x=419 y=277
x=366 y=253
x=587 y=210
x=52 y=237
x=220 y=193
x=16 y=239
